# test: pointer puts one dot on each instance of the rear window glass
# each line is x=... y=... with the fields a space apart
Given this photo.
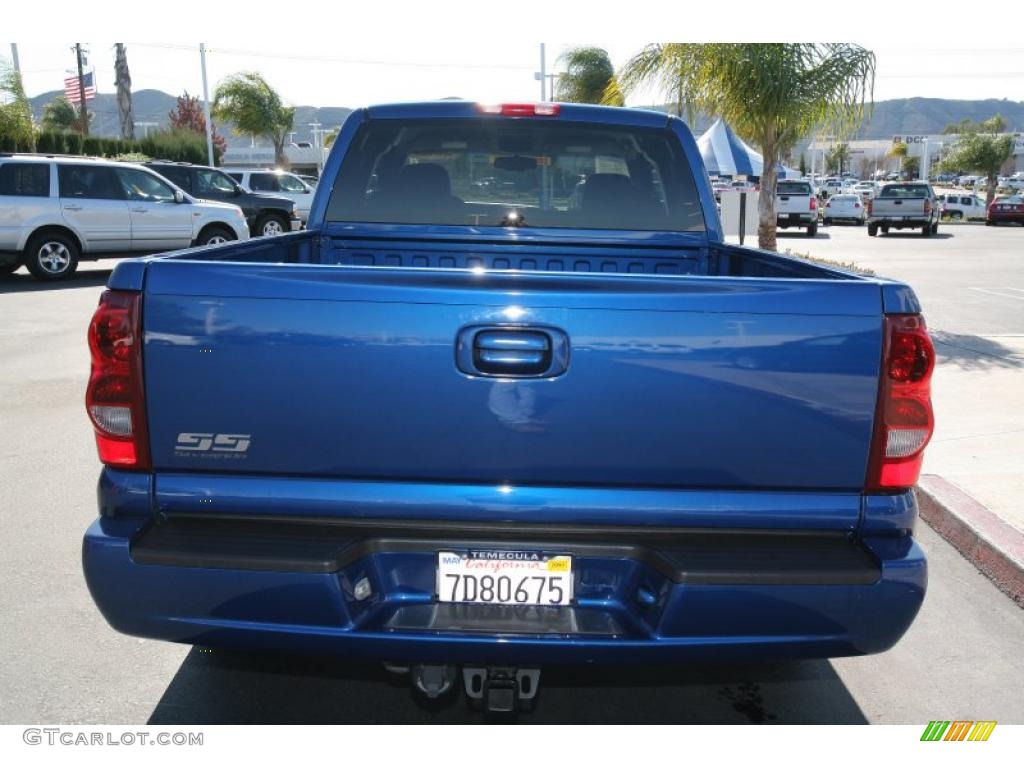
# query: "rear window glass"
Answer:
x=793 y=188
x=25 y=179
x=499 y=173
x=905 y=191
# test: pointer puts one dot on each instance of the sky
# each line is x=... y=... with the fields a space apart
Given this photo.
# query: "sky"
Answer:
x=482 y=69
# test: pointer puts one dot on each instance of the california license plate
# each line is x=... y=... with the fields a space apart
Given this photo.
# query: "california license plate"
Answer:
x=504 y=577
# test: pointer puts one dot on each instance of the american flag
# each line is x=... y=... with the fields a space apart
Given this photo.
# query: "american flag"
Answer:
x=71 y=88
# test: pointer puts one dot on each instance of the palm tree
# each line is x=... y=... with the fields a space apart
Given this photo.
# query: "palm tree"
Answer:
x=898 y=152
x=588 y=73
x=838 y=157
x=771 y=94
x=123 y=81
x=256 y=109
x=59 y=115
x=16 y=129
x=666 y=68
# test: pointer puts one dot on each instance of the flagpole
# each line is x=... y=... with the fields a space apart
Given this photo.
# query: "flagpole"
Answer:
x=81 y=91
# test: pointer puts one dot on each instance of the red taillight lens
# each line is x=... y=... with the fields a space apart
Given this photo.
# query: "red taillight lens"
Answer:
x=869 y=205
x=542 y=109
x=903 y=416
x=114 y=398
x=927 y=206
x=814 y=203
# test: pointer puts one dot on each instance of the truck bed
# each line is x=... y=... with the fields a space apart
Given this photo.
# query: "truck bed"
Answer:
x=709 y=376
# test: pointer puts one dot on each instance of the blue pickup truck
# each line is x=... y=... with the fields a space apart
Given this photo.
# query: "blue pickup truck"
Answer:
x=510 y=401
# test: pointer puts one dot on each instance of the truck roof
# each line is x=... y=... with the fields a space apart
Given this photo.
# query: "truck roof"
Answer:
x=457 y=108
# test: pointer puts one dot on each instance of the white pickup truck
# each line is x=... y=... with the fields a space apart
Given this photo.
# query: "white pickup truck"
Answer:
x=796 y=206
x=904 y=205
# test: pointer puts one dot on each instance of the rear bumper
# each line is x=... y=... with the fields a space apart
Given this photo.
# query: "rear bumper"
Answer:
x=900 y=222
x=796 y=219
x=662 y=597
x=999 y=217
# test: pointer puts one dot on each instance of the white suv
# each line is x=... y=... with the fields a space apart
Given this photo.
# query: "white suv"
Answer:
x=56 y=211
x=280 y=183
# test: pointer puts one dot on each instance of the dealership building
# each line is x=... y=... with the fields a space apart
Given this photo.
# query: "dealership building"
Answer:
x=870 y=155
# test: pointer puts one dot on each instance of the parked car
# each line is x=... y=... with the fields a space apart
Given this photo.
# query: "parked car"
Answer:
x=265 y=214
x=904 y=205
x=796 y=206
x=832 y=186
x=1009 y=209
x=956 y=206
x=402 y=447
x=866 y=189
x=57 y=211
x=280 y=183
x=845 y=207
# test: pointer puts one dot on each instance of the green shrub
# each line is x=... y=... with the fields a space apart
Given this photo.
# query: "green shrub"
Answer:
x=73 y=143
x=92 y=146
x=175 y=145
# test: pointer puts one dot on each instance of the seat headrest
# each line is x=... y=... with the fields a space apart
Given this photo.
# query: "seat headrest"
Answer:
x=426 y=179
x=605 y=190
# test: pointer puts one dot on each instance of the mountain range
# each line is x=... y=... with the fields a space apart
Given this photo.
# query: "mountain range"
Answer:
x=889 y=118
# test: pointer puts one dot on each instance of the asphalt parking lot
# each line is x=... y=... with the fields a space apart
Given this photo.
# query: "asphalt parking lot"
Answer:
x=61 y=663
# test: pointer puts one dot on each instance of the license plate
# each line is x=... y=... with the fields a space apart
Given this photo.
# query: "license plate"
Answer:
x=502 y=577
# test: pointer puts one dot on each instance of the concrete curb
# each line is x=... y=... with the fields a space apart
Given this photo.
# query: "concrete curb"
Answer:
x=993 y=546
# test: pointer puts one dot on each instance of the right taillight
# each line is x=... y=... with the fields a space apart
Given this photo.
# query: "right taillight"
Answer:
x=114 y=397
x=904 y=421
x=869 y=206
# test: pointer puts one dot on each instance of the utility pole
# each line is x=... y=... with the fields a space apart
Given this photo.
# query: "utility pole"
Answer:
x=81 y=90
x=14 y=58
x=206 y=106
x=542 y=75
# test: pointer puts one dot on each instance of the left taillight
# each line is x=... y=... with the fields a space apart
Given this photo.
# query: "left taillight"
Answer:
x=904 y=420
x=114 y=397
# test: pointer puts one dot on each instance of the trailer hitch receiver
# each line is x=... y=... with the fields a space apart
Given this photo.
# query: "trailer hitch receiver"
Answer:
x=501 y=690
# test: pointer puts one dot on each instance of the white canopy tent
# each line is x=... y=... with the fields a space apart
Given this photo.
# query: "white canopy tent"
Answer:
x=726 y=154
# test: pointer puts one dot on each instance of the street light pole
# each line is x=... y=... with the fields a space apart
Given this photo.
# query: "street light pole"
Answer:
x=206 y=106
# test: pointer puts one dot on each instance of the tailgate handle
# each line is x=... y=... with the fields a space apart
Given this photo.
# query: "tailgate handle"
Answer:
x=512 y=351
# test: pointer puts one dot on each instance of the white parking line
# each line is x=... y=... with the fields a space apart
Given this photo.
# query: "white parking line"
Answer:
x=1001 y=292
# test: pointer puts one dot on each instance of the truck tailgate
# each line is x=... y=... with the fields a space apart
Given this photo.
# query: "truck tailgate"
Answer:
x=354 y=372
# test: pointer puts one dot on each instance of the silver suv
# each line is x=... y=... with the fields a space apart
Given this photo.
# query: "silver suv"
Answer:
x=56 y=211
